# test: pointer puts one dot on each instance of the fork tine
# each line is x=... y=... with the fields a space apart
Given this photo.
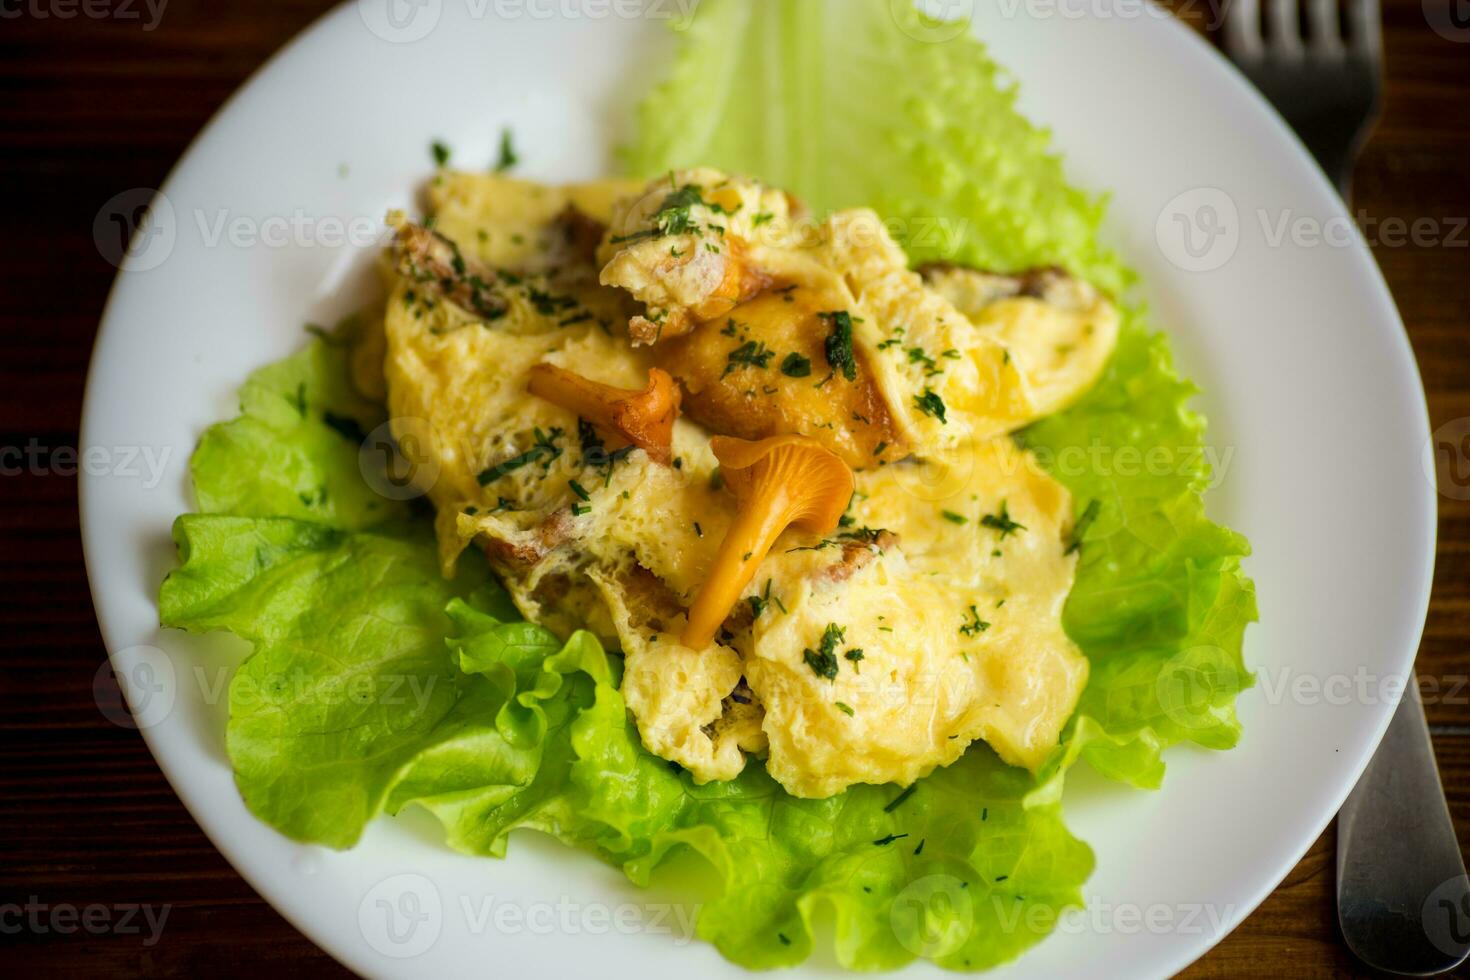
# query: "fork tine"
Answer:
x=1365 y=26
x=1243 y=28
x=1286 y=35
x=1322 y=22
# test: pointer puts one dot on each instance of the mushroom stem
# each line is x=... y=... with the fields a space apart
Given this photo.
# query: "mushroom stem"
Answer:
x=644 y=418
x=746 y=544
x=781 y=482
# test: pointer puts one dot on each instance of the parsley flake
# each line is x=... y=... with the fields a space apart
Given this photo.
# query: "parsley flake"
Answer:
x=796 y=366
x=1002 y=522
x=931 y=404
x=749 y=354
x=1083 y=523
x=508 y=156
x=838 y=346
x=975 y=625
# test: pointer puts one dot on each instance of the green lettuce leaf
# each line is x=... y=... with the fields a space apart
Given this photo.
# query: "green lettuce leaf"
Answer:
x=296 y=449
x=349 y=680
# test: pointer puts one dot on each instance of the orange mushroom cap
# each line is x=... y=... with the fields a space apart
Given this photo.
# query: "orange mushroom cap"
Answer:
x=644 y=418
x=780 y=482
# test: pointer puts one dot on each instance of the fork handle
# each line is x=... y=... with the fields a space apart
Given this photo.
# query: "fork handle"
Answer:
x=1403 y=900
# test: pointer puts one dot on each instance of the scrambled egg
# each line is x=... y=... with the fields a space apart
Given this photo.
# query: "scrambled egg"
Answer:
x=929 y=619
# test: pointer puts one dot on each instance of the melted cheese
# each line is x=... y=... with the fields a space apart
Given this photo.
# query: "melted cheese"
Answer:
x=1060 y=341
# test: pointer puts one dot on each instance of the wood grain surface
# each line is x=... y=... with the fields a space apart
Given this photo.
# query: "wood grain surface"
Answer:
x=94 y=105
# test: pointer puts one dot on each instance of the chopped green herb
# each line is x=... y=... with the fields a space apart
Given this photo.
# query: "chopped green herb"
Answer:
x=917 y=355
x=885 y=841
x=845 y=709
x=441 y=153
x=749 y=354
x=954 y=518
x=579 y=490
x=823 y=661
x=839 y=344
x=345 y=426
x=760 y=218
x=1083 y=523
x=931 y=404
x=919 y=850
x=508 y=466
x=796 y=366
x=545 y=449
x=900 y=799
x=673 y=217
x=508 y=156
x=547 y=304
x=594 y=451
x=823 y=664
x=975 y=625
x=1002 y=522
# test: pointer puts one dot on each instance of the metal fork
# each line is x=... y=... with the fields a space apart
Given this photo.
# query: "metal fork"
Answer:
x=1403 y=899
x=1325 y=84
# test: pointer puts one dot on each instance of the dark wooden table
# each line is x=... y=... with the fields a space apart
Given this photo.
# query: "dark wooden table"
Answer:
x=90 y=106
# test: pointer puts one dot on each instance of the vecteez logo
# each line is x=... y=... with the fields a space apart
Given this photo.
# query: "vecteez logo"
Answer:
x=136 y=229
x=400 y=21
x=402 y=916
x=1446 y=459
x=1199 y=230
x=397 y=459
x=1450 y=19
x=1446 y=916
x=933 y=22
x=136 y=687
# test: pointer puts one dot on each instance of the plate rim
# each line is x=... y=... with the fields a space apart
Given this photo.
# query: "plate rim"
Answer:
x=350 y=955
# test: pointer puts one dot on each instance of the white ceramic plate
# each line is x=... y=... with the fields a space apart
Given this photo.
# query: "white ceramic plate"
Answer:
x=1318 y=418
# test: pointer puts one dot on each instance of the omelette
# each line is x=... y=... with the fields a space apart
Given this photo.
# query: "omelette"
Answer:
x=758 y=453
